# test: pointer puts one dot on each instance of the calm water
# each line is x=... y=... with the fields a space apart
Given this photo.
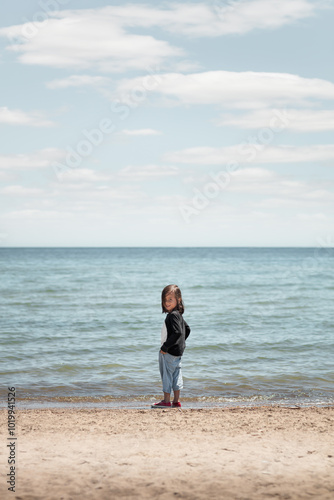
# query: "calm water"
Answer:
x=82 y=325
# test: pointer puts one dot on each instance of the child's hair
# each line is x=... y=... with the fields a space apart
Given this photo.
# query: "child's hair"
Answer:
x=177 y=294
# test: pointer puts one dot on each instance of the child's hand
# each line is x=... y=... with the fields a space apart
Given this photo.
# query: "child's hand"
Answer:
x=162 y=352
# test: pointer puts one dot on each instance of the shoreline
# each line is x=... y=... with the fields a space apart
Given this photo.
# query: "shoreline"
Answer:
x=147 y=406
x=144 y=401
x=197 y=453
x=135 y=405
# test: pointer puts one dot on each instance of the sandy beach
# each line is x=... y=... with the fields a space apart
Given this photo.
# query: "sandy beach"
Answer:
x=230 y=453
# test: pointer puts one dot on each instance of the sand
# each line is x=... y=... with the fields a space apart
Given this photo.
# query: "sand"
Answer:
x=236 y=453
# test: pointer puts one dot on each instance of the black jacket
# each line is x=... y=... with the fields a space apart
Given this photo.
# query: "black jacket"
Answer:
x=177 y=332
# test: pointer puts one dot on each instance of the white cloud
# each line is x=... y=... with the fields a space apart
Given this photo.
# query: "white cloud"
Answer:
x=20 y=191
x=302 y=120
x=84 y=175
x=99 y=38
x=34 y=213
x=79 y=81
x=146 y=171
x=259 y=188
x=86 y=39
x=244 y=16
x=6 y=176
x=246 y=89
x=141 y=131
x=312 y=217
x=251 y=153
x=38 y=159
x=110 y=196
x=292 y=202
x=257 y=181
x=19 y=117
x=212 y=18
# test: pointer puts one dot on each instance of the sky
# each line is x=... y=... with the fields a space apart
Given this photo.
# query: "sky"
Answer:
x=167 y=123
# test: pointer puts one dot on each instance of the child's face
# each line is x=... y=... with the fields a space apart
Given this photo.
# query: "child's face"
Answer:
x=170 y=302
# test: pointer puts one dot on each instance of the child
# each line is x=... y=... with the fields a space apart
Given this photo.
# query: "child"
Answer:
x=173 y=336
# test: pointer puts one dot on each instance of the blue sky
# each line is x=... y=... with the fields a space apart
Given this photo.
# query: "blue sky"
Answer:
x=167 y=123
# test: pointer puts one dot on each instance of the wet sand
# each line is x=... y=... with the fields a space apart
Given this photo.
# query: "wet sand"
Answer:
x=230 y=453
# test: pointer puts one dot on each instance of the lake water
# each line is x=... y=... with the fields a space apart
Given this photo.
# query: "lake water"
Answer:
x=81 y=326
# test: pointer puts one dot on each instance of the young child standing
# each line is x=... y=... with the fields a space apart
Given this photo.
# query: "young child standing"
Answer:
x=174 y=333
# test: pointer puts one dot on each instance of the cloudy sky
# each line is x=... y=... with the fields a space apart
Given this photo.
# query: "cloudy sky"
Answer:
x=167 y=123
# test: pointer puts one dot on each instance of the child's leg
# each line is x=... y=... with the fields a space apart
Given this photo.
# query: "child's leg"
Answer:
x=167 y=397
x=171 y=374
x=166 y=376
x=176 y=396
x=177 y=380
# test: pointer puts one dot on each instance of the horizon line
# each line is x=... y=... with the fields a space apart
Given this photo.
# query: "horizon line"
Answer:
x=164 y=246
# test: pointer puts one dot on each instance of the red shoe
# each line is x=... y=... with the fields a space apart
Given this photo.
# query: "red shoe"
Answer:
x=162 y=404
x=176 y=405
